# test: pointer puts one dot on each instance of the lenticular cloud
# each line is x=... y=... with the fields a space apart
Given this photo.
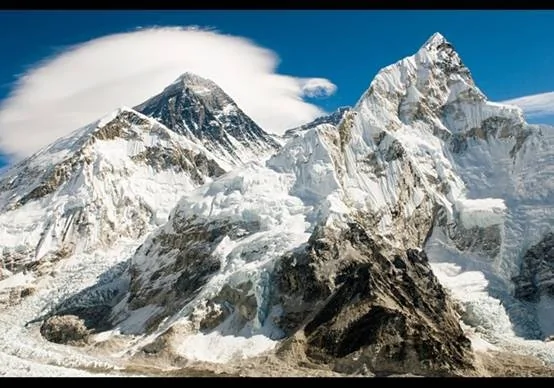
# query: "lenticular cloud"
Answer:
x=536 y=105
x=88 y=80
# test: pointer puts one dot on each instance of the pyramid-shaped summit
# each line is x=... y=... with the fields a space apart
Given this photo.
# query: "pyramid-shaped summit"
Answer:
x=199 y=109
x=435 y=40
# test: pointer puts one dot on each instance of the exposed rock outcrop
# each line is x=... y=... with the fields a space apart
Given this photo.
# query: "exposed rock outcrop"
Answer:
x=201 y=111
x=66 y=329
x=536 y=275
x=360 y=304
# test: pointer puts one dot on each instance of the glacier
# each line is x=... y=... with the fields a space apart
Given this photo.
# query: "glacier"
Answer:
x=423 y=160
x=422 y=136
x=73 y=213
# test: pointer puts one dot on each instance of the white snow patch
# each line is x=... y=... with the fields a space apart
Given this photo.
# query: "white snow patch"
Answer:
x=217 y=348
x=19 y=279
x=134 y=323
x=481 y=212
x=477 y=342
x=482 y=311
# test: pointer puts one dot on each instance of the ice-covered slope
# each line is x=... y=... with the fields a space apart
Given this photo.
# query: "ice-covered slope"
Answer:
x=89 y=199
x=422 y=160
x=201 y=111
x=328 y=246
x=331 y=119
x=118 y=177
x=486 y=171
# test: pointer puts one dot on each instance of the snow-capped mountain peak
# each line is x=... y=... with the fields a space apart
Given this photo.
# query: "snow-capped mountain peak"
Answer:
x=192 y=83
x=434 y=40
x=432 y=86
x=440 y=51
x=424 y=117
x=189 y=79
x=200 y=110
x=121 y=164
x=330 y=250
x=332 y=119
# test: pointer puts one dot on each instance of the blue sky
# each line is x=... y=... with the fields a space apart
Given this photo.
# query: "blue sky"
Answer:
x=510 y=53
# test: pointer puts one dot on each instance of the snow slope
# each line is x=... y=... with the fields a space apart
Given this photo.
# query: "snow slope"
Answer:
x=423 y=160
x=422 y=148
x=95 y=186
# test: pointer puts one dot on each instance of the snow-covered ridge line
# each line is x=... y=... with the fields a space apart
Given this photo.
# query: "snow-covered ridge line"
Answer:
x=92 y=197
x=423 y=158
x=408 y=147
x=201 y=111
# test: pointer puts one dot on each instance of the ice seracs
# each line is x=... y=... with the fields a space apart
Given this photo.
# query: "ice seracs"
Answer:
x=78 y=207
x=425 y=160
x=337 y=245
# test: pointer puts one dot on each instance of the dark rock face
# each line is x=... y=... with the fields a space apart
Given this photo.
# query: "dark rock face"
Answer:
x=180 y=160
x=384 y=309
x=197 y=108
x=333 y=119
x=188 y=265
x=95 y=318
x=451 y=62
x=536 y=275
x=66 y=329
x=485 y=240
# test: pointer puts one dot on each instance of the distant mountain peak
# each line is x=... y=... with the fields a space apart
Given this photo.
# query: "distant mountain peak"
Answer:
x=200 y=110
x=332 y=118
x=435 y=41
x=188 y=76
x=194 y=83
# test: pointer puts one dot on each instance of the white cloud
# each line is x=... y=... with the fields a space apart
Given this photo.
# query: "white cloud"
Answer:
x=536 y=105
x=94 y=78
x=318 y=87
